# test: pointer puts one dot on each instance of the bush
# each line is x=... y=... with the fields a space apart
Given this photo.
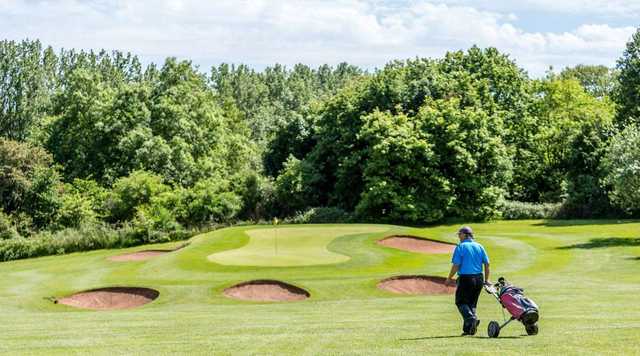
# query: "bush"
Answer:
x=155 y=223
x=257 y=194
x=321 y=215
x=7 y=230
x=291 y=192
x=85 y=238
x=75 y=211
x=128 y=193
x=622 y=164
x=515 y=210
x=65 y=241
x=29 y=182
x=210 y=201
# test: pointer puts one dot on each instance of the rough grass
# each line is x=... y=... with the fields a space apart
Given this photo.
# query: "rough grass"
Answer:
x=587 y=291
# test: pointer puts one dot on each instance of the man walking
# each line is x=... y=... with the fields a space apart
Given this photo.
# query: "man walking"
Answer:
x=468 y=259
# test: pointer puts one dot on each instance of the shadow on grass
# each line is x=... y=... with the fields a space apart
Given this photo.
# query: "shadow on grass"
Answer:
x=456 y=336
x=604 y=242
x=561 y=223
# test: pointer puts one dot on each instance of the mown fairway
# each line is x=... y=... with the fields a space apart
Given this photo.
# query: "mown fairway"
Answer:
x=584 y=276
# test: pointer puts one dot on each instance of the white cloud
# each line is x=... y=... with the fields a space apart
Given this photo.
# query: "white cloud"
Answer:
x=261 y=32
x=611 y=8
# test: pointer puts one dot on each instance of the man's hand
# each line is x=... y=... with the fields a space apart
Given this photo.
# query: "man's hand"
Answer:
x=448 y=282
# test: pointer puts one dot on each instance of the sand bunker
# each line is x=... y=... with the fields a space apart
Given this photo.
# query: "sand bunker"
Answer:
x=416 y=285
x=142 y=255
x=266 y=291
x=110 y=298
x=417 y=244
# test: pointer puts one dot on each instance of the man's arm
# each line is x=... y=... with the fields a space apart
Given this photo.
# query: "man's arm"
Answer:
x=487 y=272
x=454 y=270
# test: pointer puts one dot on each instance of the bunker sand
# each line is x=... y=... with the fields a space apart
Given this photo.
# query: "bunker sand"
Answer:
x=143 y=255
x=417 y=244
x=416 y=285
x=266 y=291
x=110 y=298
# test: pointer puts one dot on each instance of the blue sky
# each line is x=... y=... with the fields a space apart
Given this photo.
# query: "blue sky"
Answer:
x=368 y=33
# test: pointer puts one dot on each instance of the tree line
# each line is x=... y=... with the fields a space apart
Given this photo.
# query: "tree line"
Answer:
x=99 y=141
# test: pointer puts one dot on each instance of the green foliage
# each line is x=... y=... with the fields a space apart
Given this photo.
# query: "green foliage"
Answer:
x=292 y=192
x=563 y=107
x=401 y=176
x=516 y=210
x=420 y=140
x=131 y=192
x=587 y=196
x=169 y=125
x=622 y=164
x=257 y=193
x=168 y=148
x=29 y=183
x=156 y=223
x=26 y=70
x=75 y=211
x=322 y=215
x=210 y=201
x=627 y=93
x=86 y=238
x=7 y=230
x=598 y=80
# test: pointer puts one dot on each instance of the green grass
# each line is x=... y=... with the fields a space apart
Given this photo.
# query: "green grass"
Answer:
x=584 y=275
x=301 y=246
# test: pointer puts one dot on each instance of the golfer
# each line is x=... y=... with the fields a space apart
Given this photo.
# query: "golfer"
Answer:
x=468 y=259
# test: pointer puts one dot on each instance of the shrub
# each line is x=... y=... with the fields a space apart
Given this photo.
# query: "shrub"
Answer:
x=622 y=164
x=65 y=241
x=29 y=182
x=515 y=210
x=130 y=192
x=7 y=230
x=75 y=211
x=257 y=195
x=155 y=223
x=91 y=191
x=84 y=238
x=291 y=192
x=322 y=215
x=210 y=201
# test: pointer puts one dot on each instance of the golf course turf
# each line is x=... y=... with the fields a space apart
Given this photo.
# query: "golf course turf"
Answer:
x=582 y=274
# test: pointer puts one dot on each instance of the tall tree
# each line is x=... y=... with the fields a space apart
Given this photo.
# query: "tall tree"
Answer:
x=627 y=94
x=25 y=80
x=597 y=80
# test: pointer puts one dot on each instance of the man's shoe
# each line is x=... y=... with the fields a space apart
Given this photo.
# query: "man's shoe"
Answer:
x=474 y=328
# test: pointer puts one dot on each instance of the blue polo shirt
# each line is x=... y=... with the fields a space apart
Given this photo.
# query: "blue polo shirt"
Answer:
x=470 y=256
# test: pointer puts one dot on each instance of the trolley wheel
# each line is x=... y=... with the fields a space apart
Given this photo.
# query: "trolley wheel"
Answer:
x=493 y=329
x=531 y=329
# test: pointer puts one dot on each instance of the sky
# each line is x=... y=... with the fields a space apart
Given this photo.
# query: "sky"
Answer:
x=537 y=34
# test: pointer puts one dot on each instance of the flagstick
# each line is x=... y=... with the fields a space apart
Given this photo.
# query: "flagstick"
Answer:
x=275 y=224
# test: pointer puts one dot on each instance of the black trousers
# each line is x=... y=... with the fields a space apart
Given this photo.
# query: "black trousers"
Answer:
x=467 y=293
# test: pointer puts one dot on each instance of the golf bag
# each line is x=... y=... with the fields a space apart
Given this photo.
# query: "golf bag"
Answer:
x=520 y=307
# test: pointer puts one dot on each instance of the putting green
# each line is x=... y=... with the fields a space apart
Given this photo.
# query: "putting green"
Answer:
x=289 y=246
